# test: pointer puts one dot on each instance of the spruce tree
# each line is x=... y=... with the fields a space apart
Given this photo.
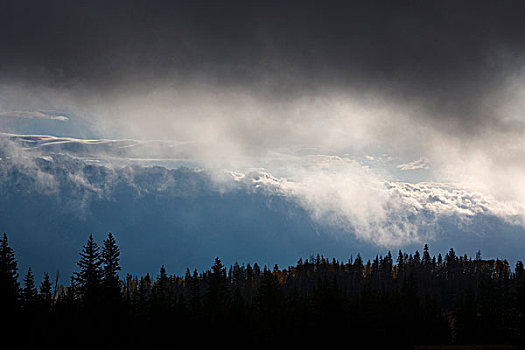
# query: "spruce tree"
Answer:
x=519 y=270
x=144 y=293
x=70 y=295
x=89 y=278
x=9 y=293
x=217 y=296
x=29 y=292
x=195 y=292
x=110 y=259
x=46 y=295
x=161 y=296
x=426 y=257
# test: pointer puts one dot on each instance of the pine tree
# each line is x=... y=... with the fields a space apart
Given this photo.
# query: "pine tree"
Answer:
x=90 y=276
x=110 y=259
x=417 y=258
x=195 y=291
x=519 y=269
x=161 y=296
x=29 y=292
x=358 y=266
x=426 y=257
x=400 y=264
x=218 y=295
x=9 y=294
x=70 y=295
x=46 y=296
x=478 y=255
x=144 y=293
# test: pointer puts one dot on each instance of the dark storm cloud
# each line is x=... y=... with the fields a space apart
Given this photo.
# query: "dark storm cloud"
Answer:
x=446 y=55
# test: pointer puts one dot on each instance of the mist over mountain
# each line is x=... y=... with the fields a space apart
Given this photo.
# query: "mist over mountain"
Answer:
x=56 y=191
x=177 y=217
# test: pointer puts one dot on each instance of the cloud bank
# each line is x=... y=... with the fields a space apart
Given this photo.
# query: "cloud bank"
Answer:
x=337 y=192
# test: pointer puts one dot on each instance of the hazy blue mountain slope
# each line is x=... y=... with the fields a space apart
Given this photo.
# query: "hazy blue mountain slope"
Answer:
x=184 y=224
x=182 y=218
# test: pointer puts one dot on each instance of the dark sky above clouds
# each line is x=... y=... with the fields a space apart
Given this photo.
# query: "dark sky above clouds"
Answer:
x=423 y=49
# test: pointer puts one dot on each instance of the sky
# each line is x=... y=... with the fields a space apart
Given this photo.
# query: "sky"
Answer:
x=362 y=111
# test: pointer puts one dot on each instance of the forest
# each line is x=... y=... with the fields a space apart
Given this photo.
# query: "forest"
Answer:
x=393 y=301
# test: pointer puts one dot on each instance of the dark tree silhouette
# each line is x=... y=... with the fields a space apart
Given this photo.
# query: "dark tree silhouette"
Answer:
x=420 y=299
x=89 y=278
x=46 y=294
x=217 y=297
x=195 y=292
x=29 y=292
x=111 y=281
x=161 y=295
x=9 y=295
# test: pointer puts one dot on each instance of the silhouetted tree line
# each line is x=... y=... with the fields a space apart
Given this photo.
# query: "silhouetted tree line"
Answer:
x=394 y=302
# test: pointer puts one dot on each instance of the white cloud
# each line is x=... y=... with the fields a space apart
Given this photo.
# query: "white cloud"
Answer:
x=421 y=163
x=340 y=192
x=309 y=145
x=33 y=115
x=337 y=191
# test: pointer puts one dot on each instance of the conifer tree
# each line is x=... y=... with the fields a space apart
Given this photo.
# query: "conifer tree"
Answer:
x=110 y=259
x=195 y=291
x=426 y=257
x=90 y=276
x=161 y=293
x=46 y=296
x=144 y=293
x=417 y=258
x=519 y=269
x=218 y=294
x=69 y=295
x=9 y=294
x=29 y=292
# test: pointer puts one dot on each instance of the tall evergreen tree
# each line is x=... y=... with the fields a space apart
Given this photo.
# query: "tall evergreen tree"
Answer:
x=426 y=257
x=46 y=295
x=217 y=296
x=519 y=270
x=89 y=278
x=110 y=259
x=195 y=292
x=29 y=292
x=161 y=296
x=144 y=293
x=9 y=293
